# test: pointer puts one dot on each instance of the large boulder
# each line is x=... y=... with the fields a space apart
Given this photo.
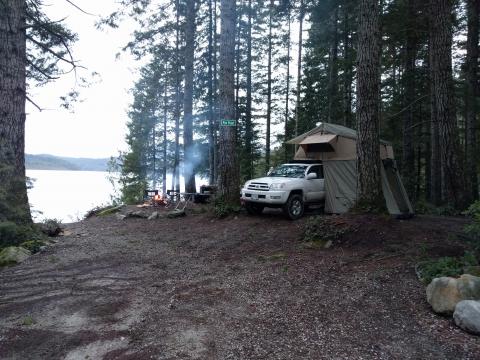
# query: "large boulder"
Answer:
x=13 y=255
x=444 y=293
x=467 y=316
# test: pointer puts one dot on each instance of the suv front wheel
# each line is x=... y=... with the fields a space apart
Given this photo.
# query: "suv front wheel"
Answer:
x=294 y=207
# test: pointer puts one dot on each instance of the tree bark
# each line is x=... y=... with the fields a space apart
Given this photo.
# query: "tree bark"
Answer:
x=13 y=191
x=269 y=88
x=287 y=92
x=301 y=17
x=165 y=141
x=348 y=68
x=189 y=156
x=473 y=9
x=176 y=162
x=248 y=106
x=368 y=106
x=408 y=155
x=228 y=177
x=453 y=177
x=211 y=121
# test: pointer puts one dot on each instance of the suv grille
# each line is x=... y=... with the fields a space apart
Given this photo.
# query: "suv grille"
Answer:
x=258 y=186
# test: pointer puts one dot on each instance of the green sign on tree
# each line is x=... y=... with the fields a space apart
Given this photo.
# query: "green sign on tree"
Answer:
x=228 y=122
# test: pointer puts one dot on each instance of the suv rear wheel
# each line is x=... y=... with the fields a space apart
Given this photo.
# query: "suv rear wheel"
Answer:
x=294 y=207
x=254 y=208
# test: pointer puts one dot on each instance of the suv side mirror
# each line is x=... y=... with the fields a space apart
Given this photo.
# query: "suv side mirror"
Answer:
x=311 y=176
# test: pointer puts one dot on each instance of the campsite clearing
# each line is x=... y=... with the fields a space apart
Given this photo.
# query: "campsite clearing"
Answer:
x=238 y=288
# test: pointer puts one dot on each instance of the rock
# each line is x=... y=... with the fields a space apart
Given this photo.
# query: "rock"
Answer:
x=467 y=316
x=444 y=293
x=120 y=216
x=155 y=215
x=138 y=214
x=176 y=214
x=13 y=255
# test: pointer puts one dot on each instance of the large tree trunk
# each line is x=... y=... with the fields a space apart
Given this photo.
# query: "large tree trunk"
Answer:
x=248 y=105
x=269 y=88
x=165 y=141
x=368 y=106
x=472 y=96
x=453 y=179
x=287 y=92
x=408 y=156
x=301 y=17
x=228 y=177
x=176 y=161
x=13 y=191
x=211 y=121
x=347 y=67
x=189 y=156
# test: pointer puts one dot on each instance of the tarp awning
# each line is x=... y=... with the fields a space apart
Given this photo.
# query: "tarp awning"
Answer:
x=318 y=139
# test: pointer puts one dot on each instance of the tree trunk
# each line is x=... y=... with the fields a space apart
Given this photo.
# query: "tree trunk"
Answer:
x=333 y=71
x=189 y=156
x=269 y=88
x=228 y=177
x=408 y=156
x=165 y=141
x=211 y=122
x=299 y=66
x=248 y=106
x=176 y=162
x=215 y=92
x=13 y=191
x=287 y=93
x=453 y=179
x=348 y=68
x=473 y=9
x=368 y=106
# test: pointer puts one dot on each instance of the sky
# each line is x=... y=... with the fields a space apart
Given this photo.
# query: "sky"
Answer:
x=96 y=126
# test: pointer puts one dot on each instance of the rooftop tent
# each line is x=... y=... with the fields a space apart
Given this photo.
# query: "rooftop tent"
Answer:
x=335 y=146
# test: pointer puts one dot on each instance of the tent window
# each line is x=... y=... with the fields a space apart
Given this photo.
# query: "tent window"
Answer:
x=322 y=147
x=318 y=169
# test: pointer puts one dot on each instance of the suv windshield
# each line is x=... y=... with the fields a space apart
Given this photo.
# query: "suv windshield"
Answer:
x=291 y=171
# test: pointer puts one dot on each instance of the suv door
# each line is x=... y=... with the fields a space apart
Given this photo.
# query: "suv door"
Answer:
x=315 y=188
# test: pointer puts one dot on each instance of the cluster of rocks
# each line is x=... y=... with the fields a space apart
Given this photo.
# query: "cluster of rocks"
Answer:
x=142 y=214
x=460 y=297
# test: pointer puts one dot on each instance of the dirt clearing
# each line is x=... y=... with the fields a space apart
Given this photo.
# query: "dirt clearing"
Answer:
x=238 y=288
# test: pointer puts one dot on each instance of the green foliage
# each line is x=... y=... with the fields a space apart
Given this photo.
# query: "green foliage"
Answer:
x=473 y=229
x=323 y=229
x=51 y=227
x=12 y=234
x=446 y=266
x=424 y=208
x=33 y=246
x=221 y=209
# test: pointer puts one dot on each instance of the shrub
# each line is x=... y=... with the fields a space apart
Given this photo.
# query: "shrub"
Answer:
x=12 y=234
x=51 y=227
x=324 y=229
x=33 y=246
x=473 y=229
x=221 y=209
x=445 y=266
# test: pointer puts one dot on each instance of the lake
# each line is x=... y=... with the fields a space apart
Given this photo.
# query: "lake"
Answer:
x=69 y=195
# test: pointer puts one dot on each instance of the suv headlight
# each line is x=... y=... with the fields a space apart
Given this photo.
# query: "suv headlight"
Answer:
x=277 y=186
x=246 y=184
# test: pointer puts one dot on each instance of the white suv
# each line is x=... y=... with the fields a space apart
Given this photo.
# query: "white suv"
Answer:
x=290 y=187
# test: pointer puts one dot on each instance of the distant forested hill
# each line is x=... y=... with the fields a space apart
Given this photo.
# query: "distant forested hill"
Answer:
x=51 y=162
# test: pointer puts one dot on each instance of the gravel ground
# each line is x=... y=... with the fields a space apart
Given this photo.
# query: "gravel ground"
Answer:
x=238 y=288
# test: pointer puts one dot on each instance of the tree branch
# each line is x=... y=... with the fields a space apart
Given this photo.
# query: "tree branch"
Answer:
x=33 y=103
